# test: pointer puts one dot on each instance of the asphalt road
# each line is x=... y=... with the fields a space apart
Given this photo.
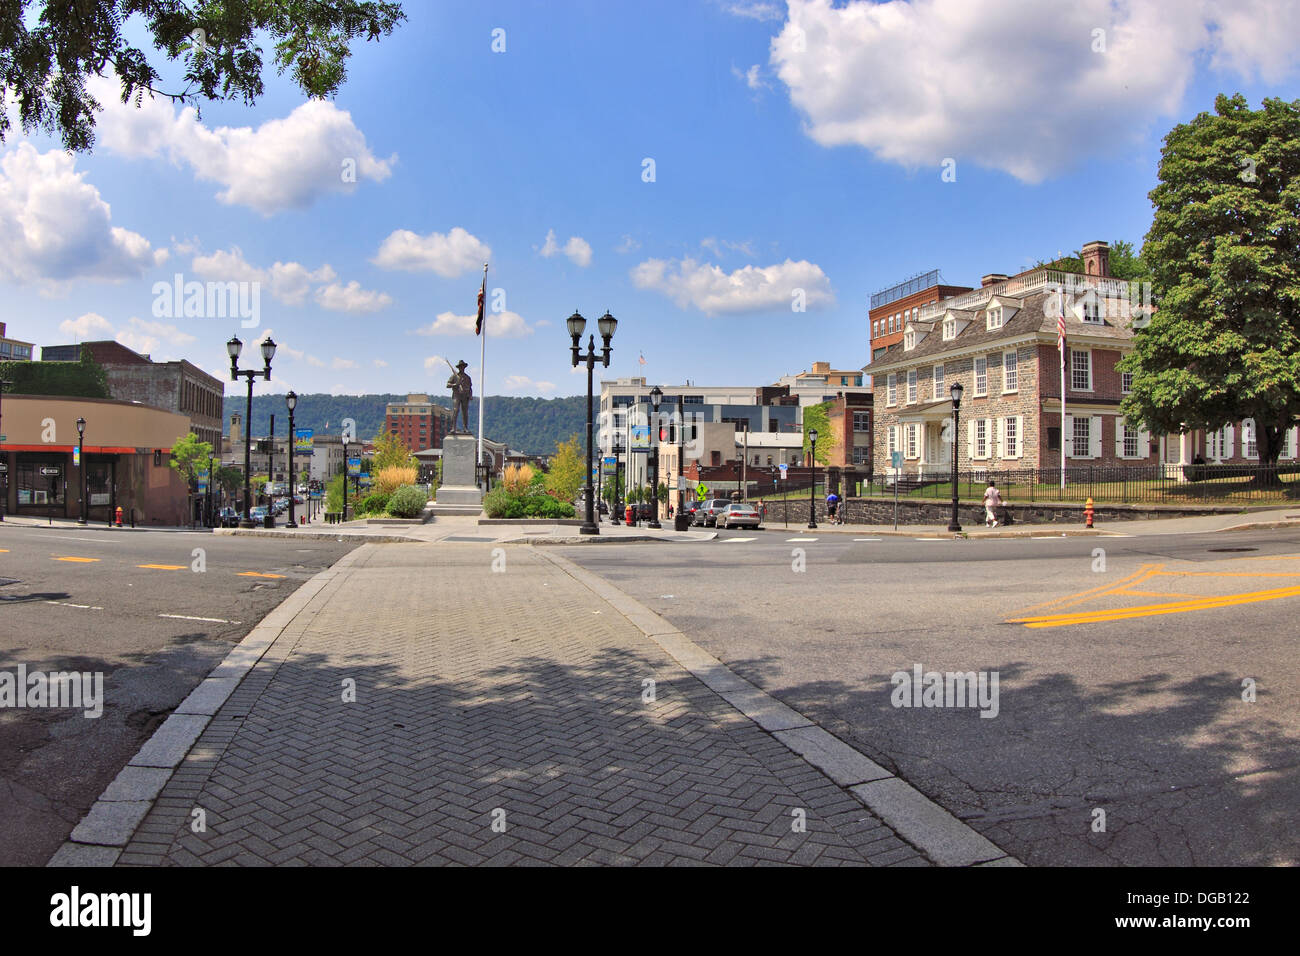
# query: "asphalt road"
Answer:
x=1120 y=675
x=133 y=606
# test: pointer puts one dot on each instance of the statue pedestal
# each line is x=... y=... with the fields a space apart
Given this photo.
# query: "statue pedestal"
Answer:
x=458 y=495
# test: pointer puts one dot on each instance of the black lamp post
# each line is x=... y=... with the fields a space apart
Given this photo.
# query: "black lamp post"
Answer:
x=812 y=487
x=4 y=460
x=212 y=477
x=234 y=347
x=291 y=399
x=955 y=392
x=81 y=466
x=607 y=324
x=656 y=397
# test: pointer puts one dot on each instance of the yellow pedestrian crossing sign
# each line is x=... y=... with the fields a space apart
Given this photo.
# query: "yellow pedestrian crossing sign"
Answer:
x=701 y=492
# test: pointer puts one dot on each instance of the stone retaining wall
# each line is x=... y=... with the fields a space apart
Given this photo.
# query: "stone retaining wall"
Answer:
x=881 y=511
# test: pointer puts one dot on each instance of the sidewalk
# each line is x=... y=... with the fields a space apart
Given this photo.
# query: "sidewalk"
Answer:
x=499 y=718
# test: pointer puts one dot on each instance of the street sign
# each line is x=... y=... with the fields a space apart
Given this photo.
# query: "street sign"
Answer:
x=701 y=492
x=51 y=471
x=784 y=468
x=302 y=441
x=896 y=459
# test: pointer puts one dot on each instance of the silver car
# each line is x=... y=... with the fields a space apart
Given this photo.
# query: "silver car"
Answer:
x=707 y=514
x=738 y=516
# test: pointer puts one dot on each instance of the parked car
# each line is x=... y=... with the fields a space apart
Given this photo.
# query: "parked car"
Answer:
x=258 y=514
x=707 y=515
x=738 y=516
x=227 y=518
x=689 y=509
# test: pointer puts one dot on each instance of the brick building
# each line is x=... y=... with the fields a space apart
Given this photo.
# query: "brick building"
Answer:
x=892 y=308
x=180 y=386
x=999 y=342
x=13 y=350
x=418 y=422
x=850 y=417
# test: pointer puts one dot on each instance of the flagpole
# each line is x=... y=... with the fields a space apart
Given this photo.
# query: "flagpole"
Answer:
x=482 y=381
x=1062 y=350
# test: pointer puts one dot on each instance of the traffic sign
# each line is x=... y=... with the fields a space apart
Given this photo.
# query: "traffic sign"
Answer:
x=701 y=492
x=784 y=468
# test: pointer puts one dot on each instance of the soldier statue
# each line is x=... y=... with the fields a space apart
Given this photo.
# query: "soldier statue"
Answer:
x=462 y=390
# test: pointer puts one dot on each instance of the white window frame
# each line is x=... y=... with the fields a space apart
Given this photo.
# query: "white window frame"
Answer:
x=993 y=318
x=891 y=389
x=1125 y=382
x=1249 y=439
x=1012 y=436
x=1091 y=309
x=980 y=447
x=1010 y=372
x=949 y=329
x=912 y=442
x=1130 y=435
x=1075 y=369
x=909 y=340
x=891 y=445
x=1086 y=421
x=912 y=390
x=937 y=376
x=981 y=389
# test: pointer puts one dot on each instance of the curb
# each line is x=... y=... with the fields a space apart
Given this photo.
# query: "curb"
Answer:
x=313 y=535
x=913 y=816
x=111 y=822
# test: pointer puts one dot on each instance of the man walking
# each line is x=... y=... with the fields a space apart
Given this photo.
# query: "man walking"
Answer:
x=992 y=502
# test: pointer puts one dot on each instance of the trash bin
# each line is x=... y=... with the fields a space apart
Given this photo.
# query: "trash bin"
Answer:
x=268 y=521
x=681 y=522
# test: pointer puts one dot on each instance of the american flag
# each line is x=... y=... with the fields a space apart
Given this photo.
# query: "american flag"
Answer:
x=641 y=360
x=478 y=322
x=1060 y=331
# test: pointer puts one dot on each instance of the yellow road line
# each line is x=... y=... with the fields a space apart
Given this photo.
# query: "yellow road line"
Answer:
x=1232 y=574
x=163 y=567
x=78 y=560
x=1149 y=610
x=1169 y=594
x=1069 y=600
x=258 y=574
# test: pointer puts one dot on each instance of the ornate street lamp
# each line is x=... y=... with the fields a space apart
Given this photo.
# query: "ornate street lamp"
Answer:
x=291 y=399
x=81 y=469
x=656 y=398
x=955 y=392
x=575 y=324
x=233 y=348
x=812 y=488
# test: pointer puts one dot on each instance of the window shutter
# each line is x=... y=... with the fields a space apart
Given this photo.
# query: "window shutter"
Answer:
x=1120 y=427
x=1229 y=447
x=1094 y=438
x=1067 y=436
x=1020 y=436
x=1001 y=425
x=1144 y=444
x=970 y=439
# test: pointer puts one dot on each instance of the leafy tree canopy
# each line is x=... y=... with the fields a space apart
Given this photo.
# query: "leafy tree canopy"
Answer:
x=1224 y=251
x=566 y=474
x=48 y=50
x=1125 y=262
x=816 y=417
x=390 y=452
x=190 y=456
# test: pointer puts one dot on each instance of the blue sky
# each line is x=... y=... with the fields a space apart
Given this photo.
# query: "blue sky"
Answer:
x=795 y=146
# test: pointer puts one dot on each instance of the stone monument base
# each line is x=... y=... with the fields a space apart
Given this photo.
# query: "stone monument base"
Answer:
x=458 y=495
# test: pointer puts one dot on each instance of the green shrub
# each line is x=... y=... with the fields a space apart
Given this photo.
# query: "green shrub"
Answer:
x=374 y=504
x=500 y=503
x=407 y=501
x=545 y=506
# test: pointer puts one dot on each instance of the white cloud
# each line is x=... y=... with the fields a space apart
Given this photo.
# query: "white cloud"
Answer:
x=315 y=362
x=448 y=255
x=351 y=298
x=751 y=289
x=1013 y=85
x=499 y=325
x=339 y=363
x=577 y=249
x=86 y=327
x=628 y=244
x=55 y=227
x=283 y=164
x=716 y=246
x=754 y=9
x=379 y=363
x=148 y=338
x=522 y=383
x=753 y=77
x=292 y=282
x=433 y=363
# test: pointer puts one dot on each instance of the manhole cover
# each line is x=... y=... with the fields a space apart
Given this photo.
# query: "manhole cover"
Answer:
x=1233 y=549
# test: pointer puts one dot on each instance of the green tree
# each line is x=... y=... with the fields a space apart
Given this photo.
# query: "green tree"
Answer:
x=565 y=476
x=49 y=49
x=390 y=452
x=1125 y=262
x=1224 y=251
x=817 y=417
x=190 y=456
x=228 y=478
x=612 y=491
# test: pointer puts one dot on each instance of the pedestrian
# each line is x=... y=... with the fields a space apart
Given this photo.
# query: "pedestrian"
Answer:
x=831 y=500
x=992 y=502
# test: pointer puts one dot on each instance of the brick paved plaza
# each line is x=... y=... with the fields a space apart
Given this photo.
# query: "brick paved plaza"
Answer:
x=478 y=692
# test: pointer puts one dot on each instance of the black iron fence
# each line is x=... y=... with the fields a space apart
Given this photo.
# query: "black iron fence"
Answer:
x=1116 y=484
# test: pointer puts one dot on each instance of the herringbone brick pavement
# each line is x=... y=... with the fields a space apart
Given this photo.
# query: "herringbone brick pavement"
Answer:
x=498 y=719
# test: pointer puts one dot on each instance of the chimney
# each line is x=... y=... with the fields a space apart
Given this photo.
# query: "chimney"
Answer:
x=1096 y=258
x=821 y=367
x=2 y=330
x=991 y=278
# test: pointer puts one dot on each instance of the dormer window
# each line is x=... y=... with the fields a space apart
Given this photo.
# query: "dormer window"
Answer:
x=993 y=318
x=1092 y=310
x=949 y=329
x=909 y=340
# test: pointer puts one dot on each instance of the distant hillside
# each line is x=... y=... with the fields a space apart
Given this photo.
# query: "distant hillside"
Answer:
x=531 y=425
